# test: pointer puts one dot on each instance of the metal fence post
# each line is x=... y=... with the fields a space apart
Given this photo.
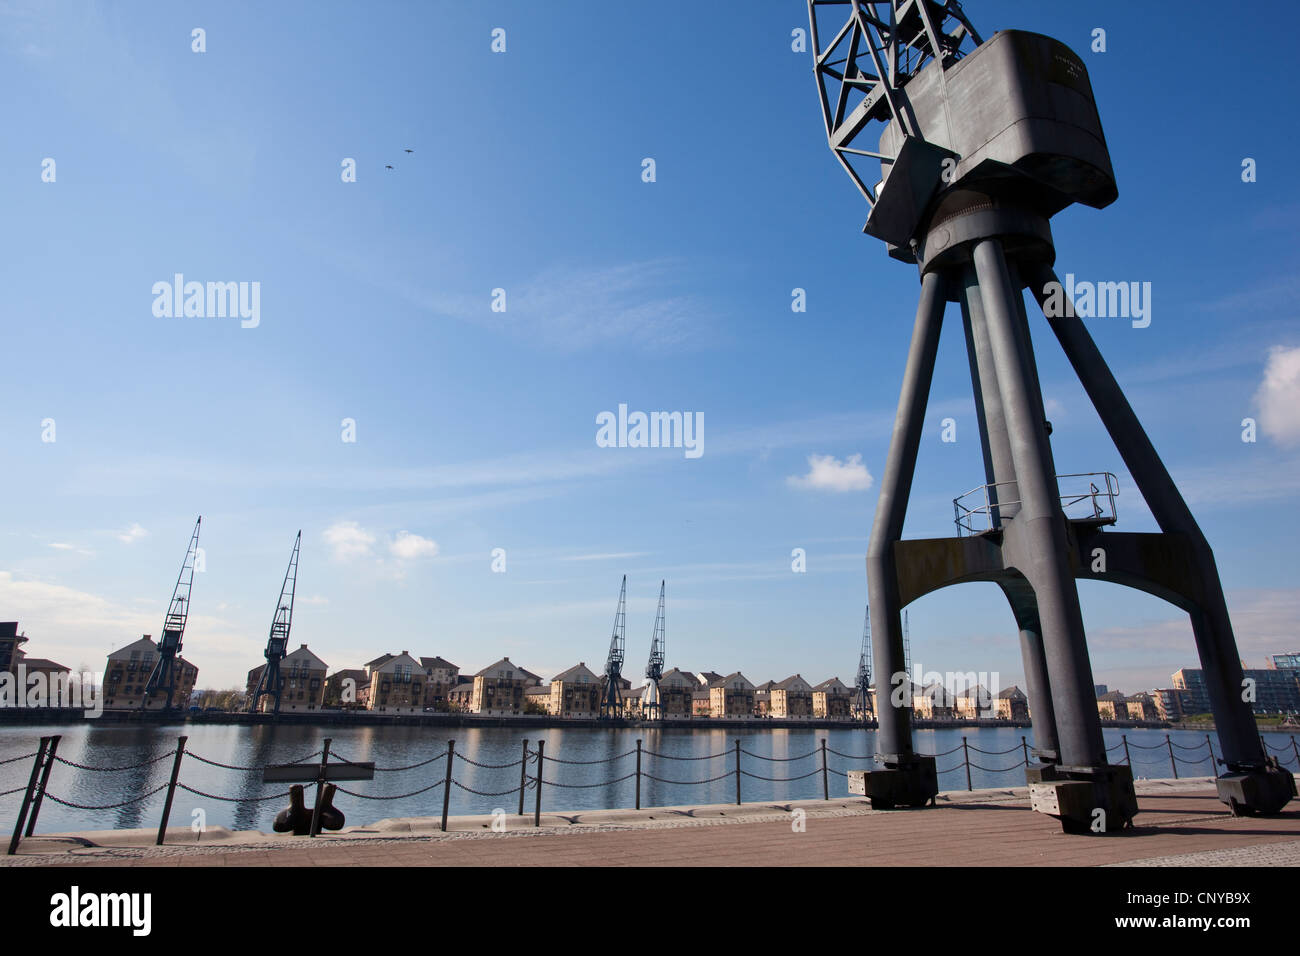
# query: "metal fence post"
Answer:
x=1296 y=751
x=638 y=773
x=537 y=806
x=171 y=790
x=965 y=756
x=446 y=783
x=40 y=787
x=1128 y=757
x=737 y=773
x=1172 y=762
x=1024 y=745
x=27 y=797
x=523 y=777
x=1213 y=760
x=826 y=786
x=320 y=788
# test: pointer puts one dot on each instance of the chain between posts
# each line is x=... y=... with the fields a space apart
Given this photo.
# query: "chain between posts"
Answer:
x=46 y=757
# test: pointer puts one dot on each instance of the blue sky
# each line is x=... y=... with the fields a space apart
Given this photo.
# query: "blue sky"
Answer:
x=476 y=429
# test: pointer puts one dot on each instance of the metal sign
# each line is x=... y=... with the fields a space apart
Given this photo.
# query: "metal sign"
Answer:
x=310 y=773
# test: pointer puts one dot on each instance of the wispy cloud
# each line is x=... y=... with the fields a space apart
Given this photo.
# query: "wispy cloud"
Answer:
x=406 y=546
x=132 y=534
x=828 y=473
x=348 y=540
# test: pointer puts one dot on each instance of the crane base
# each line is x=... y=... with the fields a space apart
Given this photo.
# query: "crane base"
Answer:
x=1085 y=799
x=908 y=780
x=1264 y=790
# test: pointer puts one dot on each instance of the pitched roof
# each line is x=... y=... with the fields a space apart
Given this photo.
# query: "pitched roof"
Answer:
x=794 y=683
x=830 y=683
x=44 y=664
x=437 y=662
x=379 y=661
x=1012 y=691
x=722 y=681
x=575 y=673
x=505 y=663
x=124 y=652
x=304 y=656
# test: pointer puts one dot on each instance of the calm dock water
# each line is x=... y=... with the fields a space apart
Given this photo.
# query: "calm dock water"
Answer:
x=683 y=757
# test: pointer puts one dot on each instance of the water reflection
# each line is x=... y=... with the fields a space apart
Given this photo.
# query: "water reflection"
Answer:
x=680 y=767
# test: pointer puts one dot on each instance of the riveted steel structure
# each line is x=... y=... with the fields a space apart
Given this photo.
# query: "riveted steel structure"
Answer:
x=652 y=706
x=975 y=145
x=611 y=696
x=163 y=676
x=277 y=644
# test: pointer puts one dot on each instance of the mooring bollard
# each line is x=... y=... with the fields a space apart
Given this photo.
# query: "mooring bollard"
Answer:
x=171 y=790
x=523 y=776
x=45 y=779
x=446 y=783
x=1172 y=762
x=638 y=774
x=537 y=807
x=826 y=786
x=320 y=788
x=737 y=773
x=37 y=763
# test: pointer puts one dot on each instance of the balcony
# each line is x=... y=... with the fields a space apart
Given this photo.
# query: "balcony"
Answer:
x=1085 y=498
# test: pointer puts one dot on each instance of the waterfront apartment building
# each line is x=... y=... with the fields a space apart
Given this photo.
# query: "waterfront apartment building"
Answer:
x=440 y=676
x=975 y=703
x=763 y=699
x=792 y=699
x=676 y=688
x=731 y=696
x=1171 y=703
x=832 y=699
x=397 y=685
x=1276 y=691
x=128 y=671
x=576 y=693
x=499 y=688
x=11 y=642
x=348 y=689
x=1278 y=662
x=1142 y=706
x=1112 y=705
x=1011 y=704
x=934 y=702
x=303 y=688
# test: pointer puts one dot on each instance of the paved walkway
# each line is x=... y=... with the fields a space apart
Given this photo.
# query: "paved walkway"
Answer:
x=1181 y=823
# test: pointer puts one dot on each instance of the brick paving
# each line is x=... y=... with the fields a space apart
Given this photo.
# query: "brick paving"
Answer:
x=1176 y=828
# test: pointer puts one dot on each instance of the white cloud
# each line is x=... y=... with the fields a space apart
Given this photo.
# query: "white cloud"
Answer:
x=407 y=547
x=132 y=534
x=1278 y=396
x=62 y=546
x=348 y=540
x=827 y=473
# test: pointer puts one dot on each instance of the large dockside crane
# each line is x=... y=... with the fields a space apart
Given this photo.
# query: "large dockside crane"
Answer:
x=862 y=685
x=611 y=701
x=652 y=706
x=163 y=674
x=277 y=645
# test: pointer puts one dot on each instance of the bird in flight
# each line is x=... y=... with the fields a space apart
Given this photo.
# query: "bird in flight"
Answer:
x=409 y=151
x=388 y=167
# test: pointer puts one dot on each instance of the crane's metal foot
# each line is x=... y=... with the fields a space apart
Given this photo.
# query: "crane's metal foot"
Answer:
x=908 y=780
x=1256 y=790
x=1085 y=799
